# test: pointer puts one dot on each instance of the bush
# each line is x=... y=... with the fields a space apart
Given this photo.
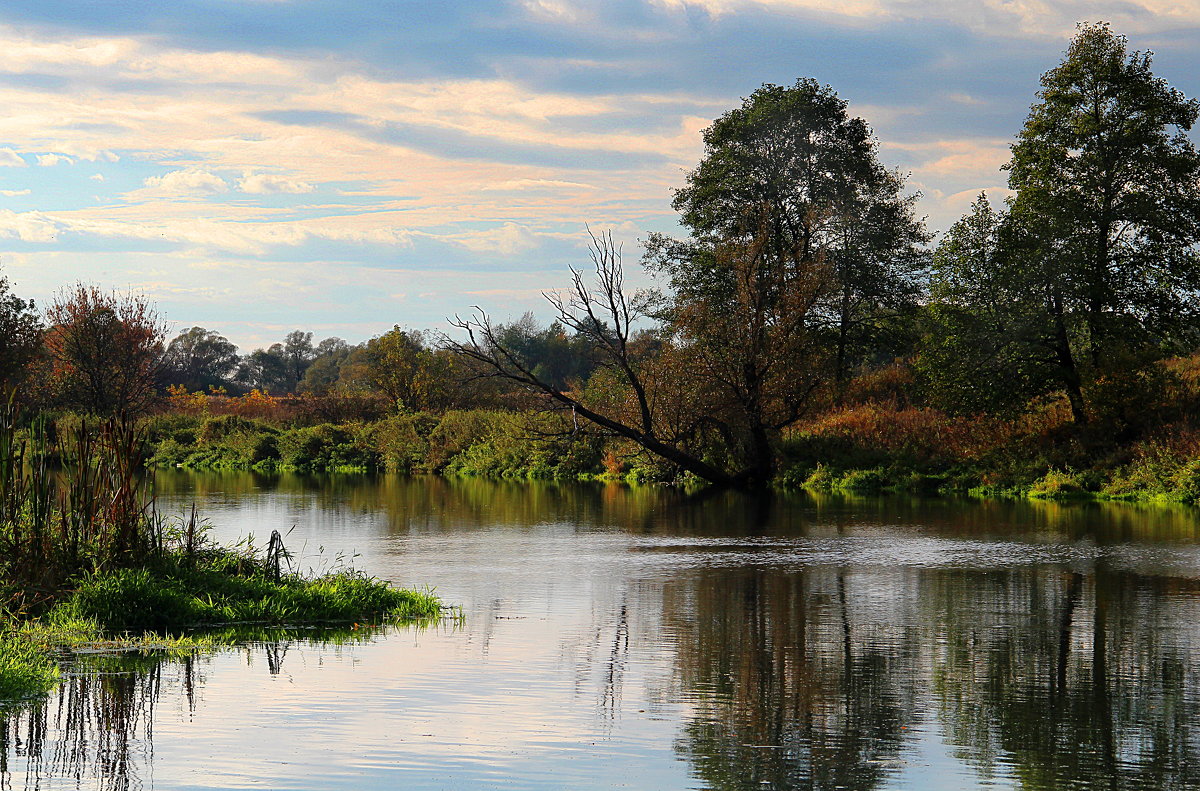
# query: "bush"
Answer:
x=1186 y=482
x=1056 y=485
x=821 y=479
x=864 y=481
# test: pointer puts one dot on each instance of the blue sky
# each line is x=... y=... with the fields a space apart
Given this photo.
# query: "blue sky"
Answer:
x=256 y=166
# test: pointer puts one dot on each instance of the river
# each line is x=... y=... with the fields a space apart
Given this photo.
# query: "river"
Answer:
x=651 y=639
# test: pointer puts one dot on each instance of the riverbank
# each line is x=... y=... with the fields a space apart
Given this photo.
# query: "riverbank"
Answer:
x=878 y=445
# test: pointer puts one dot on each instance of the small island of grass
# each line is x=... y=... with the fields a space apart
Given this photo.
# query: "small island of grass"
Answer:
x=86 y=562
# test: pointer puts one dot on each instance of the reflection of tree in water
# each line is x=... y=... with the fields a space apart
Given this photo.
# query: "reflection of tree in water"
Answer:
x=1071 y=679
x=97 y=728
x=795 y=687
x=1056 y=678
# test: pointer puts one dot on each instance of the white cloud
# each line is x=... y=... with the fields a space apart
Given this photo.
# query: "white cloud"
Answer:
x=181 y=183
x=266 y=183
x=29 y=226
x=14 y=193
x=11 y=159
x=50 y=160
x=508 y=239
x=97 y=177
x=1042 y=18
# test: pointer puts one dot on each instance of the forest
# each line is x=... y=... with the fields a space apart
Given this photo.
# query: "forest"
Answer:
x=805 y=329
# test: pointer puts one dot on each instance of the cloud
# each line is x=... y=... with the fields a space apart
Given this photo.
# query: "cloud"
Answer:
x=97 y=177
x=509 y=239
x=1007 y=18
x=29 y=226
x=266 y=184
x=14 y=193
x=188 y=182
x=11 y=159
x=50 y=160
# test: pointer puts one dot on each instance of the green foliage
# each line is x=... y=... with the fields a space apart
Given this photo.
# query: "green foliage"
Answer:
x=224 y=587
x=979 y=351
x=20 y=335
x=1057 y=485
x=1186 y=482
x=25 y=670
x=198 y=359
x=863 y=481
x=821 y=479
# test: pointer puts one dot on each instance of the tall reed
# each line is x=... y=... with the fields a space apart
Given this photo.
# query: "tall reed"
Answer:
x=94 y=513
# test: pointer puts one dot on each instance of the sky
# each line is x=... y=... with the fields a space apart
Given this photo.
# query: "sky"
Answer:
x=343 y=166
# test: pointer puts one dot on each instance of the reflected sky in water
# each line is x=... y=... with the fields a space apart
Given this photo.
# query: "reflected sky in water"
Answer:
x=647 y=639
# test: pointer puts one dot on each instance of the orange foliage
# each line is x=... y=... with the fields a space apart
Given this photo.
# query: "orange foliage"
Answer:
x=922 y=434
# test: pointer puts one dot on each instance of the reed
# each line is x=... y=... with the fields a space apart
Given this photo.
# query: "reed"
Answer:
x=95 y=512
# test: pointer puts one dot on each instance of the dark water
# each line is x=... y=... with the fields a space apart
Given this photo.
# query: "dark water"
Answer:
x=644 y=639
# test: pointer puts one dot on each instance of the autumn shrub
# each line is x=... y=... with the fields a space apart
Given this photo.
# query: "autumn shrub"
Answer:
x=869 y=435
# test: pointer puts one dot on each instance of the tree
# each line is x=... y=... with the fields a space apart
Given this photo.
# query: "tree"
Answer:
x=741 y=318
x=646 y=407
x=801 y=244
x=266 y=370
x=322 y=373
x=198 y=358
x=105 y=350
x=984 y=347
x=20 y=335
x=1106 y=218
x=298 y=354
x=401 y=365
x=793 y=175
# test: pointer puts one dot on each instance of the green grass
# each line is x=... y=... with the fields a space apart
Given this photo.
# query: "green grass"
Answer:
x=26 y=670
x=85 y=559
x=175 y=594
x=183 y=604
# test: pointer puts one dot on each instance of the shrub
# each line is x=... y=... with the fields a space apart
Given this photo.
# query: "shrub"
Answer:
x=863 y=481
x=1056 y=484
x=821 y=479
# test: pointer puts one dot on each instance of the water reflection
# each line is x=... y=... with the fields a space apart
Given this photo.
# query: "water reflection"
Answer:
x=1044 y=678
x=96 y=729
x=719 y=641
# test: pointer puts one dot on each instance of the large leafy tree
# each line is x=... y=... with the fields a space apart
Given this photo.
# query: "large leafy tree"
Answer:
x=105 y=351
x=794 y=176
x=198 y=358
x=1106 y=215
x=983 y=348
x=20 y=334
x=800 y=243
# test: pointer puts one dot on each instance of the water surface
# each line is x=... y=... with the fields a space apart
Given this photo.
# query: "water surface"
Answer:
x=647 y=639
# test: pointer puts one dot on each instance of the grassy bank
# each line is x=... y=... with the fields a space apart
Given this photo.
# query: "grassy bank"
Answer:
x=879 y=444
x=85 y=558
